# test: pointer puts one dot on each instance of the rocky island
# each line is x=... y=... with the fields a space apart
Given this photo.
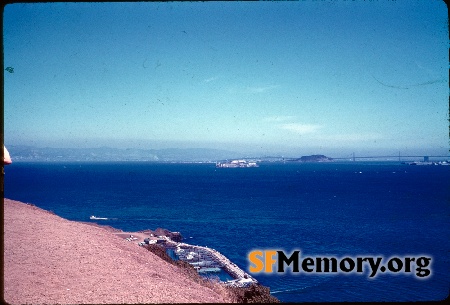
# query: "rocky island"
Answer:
x=312 y=158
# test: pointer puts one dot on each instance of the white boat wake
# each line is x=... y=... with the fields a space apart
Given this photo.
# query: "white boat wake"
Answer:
x=289 y=290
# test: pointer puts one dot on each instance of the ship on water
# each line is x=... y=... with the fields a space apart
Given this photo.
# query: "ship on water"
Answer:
x=236 y=163
x=97 y=218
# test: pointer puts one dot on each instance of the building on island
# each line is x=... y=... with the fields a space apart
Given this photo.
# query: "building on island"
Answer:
x=236 y=163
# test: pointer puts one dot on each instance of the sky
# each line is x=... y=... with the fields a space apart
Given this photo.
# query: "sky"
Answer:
x=290 y=78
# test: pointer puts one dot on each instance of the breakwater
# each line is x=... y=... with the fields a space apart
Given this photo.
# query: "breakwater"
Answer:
x=206 y=260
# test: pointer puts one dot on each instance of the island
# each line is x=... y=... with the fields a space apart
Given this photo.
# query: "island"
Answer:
x=312 y=158
x=236 y=164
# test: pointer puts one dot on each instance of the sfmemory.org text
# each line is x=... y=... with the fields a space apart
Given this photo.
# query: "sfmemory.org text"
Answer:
x=276 y=261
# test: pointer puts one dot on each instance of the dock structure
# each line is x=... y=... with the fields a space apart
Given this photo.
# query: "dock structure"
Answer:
x=204 y=258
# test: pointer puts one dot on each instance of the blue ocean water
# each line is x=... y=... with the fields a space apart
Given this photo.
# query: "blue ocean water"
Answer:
x=323 y=209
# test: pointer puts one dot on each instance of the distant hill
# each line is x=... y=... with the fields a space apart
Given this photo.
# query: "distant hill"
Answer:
x=312 y=158
x=37 y=154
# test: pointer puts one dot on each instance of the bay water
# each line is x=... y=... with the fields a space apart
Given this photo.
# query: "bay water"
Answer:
x=332 y=209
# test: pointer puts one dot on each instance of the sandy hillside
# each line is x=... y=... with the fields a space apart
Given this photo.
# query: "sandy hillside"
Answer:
x=51 y=260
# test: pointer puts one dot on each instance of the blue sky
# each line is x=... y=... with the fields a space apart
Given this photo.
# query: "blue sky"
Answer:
x=293 y=78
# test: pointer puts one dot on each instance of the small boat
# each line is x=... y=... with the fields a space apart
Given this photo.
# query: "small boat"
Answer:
x=208 y=270
x=97 y=218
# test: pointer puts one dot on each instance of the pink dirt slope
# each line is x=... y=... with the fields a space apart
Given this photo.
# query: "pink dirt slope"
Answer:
x=51 y=260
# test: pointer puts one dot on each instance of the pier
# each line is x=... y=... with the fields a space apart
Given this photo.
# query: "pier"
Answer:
x=205 y=259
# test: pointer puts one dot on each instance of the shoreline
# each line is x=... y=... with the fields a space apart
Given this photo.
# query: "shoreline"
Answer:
x=240 y=277
x=52 y=260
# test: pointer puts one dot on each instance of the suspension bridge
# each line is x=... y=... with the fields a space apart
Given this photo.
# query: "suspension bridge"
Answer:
x=353 y=157
x=425 y=158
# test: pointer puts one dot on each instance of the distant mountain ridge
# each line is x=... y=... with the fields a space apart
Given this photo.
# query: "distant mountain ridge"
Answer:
x=37 y=154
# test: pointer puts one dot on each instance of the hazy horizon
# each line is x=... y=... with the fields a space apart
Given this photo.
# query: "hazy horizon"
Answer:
x=266 y=78
x=255 y=152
